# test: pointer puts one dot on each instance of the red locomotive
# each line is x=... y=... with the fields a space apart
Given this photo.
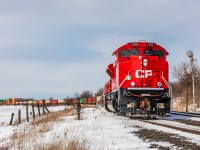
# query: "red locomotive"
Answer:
x=138 y=80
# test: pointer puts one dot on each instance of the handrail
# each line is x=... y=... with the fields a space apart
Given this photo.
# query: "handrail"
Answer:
x=124 y=80
x=170 y=88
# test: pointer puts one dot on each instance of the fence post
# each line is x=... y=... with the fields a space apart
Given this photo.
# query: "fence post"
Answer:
x=46 y=109
x=27 y=114
x=19 y=117
x=33 y=111
x=38 y=108
x=11 y=120
x=43 y=109
x=78 y=108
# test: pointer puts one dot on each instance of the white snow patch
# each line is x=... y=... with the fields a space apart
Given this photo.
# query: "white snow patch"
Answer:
x=176 y=124
x=193 y=138
x=195 y=119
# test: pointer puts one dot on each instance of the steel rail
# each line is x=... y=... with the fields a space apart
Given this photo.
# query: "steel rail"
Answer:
x=185 y=114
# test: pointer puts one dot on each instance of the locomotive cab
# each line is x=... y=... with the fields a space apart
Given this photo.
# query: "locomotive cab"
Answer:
x=139 y=79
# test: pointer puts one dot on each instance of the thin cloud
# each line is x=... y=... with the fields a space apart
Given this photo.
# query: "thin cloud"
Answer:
x=55 y=48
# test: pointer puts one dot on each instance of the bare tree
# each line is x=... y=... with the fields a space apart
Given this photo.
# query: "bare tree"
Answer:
x=50 y=98
x=184 y=82
x=86 y=94
x=76 y=95
x=68 y=100
x=181 y=72
x=99 y=92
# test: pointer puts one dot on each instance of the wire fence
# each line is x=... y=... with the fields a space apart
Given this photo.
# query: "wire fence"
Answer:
x=26 y=113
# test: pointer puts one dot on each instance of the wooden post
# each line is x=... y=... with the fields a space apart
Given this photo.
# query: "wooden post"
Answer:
x=78 y=109
x=187 y=93
x=33 y=111
x=43 y=109
x=46 y=109
x=27 y=114
x=38 y=108
x=11 y=120
x=19 y=117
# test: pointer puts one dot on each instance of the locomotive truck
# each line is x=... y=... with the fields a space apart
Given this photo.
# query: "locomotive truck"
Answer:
x=139 y=81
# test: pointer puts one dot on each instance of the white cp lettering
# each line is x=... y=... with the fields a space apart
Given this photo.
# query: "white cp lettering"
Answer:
x=143 y=73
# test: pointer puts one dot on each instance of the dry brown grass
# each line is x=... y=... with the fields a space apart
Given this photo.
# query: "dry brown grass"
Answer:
x=72 y=139
x=88 y=106
x=22 y=134
x=54 y=116
x=76 y=145
x=64 y=145
x=2 y=123
x=69 y=139
x=179 y=104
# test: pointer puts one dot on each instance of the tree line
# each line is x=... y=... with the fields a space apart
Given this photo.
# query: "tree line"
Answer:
x=87 y=94
x=183 y=86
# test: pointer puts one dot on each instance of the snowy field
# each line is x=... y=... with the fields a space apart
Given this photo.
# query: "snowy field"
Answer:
x=102 y=130
x=6 y=111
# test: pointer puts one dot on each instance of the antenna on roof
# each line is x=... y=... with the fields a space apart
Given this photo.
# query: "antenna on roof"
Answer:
x=142 y=40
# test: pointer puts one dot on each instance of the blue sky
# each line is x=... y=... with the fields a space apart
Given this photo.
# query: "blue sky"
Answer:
x=56 y=48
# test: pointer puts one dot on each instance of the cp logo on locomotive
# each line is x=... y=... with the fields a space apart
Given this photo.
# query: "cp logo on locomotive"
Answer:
x=143 y=73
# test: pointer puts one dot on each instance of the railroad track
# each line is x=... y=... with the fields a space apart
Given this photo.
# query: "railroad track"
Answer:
x=185 y=114
x=179 y=133
x=171 y=125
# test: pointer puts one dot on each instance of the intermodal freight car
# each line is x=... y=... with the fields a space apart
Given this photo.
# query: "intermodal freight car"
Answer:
x=138 y=80
x=53 y=102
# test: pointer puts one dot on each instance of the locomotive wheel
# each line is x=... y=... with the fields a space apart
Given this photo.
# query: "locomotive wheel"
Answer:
x=115 y=106
x=106 y=106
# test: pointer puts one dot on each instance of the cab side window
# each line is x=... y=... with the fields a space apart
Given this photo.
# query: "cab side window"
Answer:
x=158 y=53
x=131 y=52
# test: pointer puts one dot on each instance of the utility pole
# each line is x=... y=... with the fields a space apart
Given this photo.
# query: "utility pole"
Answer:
x=187 y=93
x=190 y=55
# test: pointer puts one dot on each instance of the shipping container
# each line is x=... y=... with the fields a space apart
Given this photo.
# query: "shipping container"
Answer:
x=61 y=102
x=54 y=102
x=85 y=101
x=94 y=100
x=41 y=102
x=90 y=100
x=30 y=102
x=35 y=102
x=14 y=101
x=47 y=102
x=3 y=101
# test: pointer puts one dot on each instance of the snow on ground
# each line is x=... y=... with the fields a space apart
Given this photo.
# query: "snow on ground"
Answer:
x=103 y=130
x=6 y=111
x=5 y=116
x=195 y=119
x=176 y=124
x=106 y=130
x=181 y=117
x=193 y=138
x=57 y=108
x=177 y=117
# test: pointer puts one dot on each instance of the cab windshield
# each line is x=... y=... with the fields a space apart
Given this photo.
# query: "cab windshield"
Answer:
x=158 y=53
x=130 y=52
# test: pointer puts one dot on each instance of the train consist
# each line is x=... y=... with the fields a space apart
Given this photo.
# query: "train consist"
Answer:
x=21 y=101
x=138 y=80
x=52 y=102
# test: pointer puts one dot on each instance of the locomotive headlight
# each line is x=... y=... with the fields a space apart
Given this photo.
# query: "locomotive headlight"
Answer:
x=145 y=62
x=132 y=83
x=159 y=84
